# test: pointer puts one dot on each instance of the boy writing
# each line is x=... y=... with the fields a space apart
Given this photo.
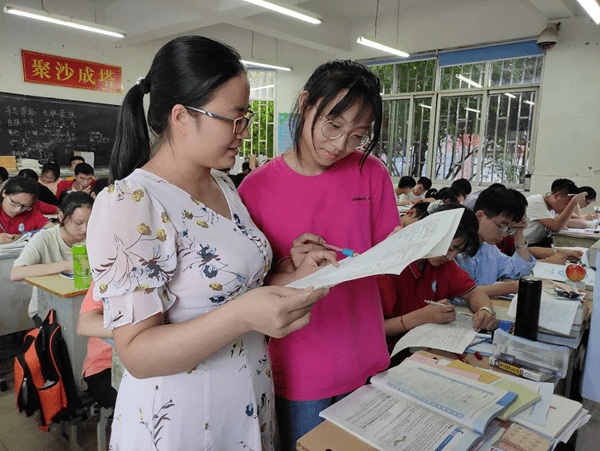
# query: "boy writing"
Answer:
x=417 y=193
x=405 y=185
x=550 y=213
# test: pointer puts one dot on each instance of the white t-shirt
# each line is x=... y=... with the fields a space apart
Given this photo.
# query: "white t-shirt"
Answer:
x=537 y=209
x=46 y=246
x=411 y=197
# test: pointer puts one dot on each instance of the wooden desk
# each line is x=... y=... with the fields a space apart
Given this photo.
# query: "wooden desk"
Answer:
x=14 y=300
x=60 y=294
x=570 y=239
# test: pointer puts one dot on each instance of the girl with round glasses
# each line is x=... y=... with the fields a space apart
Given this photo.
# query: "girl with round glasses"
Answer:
x=179 y=262
x=327 y=189
x=17 y=214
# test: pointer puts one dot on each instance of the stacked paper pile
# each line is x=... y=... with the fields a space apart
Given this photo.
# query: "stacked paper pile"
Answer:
x=14 y=248
x=561 y=317
x=29 y=163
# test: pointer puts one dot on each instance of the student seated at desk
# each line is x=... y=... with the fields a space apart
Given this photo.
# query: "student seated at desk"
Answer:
x=50 y=177
x=588 y=221
x=416 y=212
x=75 y=160
x=500 y=212
x=405 y=185
x=97 y=364
x=435 y=279
x=49 y=252
x=84 y=180
x=415 y=194
x=551 y=212
x=17 y=212
x=46 y=202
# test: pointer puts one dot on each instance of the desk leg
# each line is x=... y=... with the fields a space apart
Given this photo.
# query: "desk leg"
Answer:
x=67 y=315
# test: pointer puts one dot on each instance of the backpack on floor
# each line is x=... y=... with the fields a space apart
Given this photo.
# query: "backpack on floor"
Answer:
x=43 y=375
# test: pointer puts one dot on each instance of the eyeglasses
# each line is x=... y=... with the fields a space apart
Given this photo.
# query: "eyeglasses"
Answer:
x=18 y=205
x=239 y=124
x=510 y=231
x=331 y=130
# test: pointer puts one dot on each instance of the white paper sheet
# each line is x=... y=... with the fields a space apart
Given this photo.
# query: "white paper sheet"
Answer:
x=555 y=314
x=451 y=337
x=558 y=272
x=431 y=236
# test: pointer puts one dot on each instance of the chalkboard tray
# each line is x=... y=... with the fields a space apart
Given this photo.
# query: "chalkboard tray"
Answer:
x=49 y=129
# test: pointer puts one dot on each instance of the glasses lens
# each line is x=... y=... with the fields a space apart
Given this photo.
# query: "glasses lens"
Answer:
x=510 y=231
x=331 y=130
x=240 y=125
x=358 y=141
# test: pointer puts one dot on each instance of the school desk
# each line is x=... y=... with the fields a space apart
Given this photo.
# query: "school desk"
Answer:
x=574 y=239
x=329 y=437
x=60 y=294
x=14 y=300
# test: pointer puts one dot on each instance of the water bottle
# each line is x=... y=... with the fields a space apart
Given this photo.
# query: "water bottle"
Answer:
x=82 y=277
x=528 y=307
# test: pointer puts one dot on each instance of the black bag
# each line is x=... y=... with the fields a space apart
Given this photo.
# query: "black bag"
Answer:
x=43 y=375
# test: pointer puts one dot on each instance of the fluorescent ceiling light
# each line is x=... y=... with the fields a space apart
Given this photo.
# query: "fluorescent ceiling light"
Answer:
x=422 y=105
x=592 y=8
x=63 y=20
x=468 y=81
x=472 y=109
x=508 y=94
x=376 y=45
x=264 y=65
x=262 y=87
x=529 y=102
x=296 y=13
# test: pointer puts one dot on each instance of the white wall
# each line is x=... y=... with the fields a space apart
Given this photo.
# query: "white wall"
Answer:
x=24 y=34
x=568 y=138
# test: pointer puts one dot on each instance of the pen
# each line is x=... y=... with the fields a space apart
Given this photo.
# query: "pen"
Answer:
x=347 y=252
x=445 y=305
x=461 y=358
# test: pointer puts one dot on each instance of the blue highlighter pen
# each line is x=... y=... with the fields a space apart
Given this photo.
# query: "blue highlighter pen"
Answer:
x=346 y=252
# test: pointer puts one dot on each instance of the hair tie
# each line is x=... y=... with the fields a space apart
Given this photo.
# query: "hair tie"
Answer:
x=144 y=84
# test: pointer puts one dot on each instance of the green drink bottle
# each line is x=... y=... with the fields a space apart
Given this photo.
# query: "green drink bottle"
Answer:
x=82 y=277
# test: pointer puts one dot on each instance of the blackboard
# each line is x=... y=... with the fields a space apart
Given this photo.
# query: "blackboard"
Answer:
x=48 y=129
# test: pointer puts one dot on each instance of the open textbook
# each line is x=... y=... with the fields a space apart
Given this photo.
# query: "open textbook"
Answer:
x=414 y=406
x=15 y=247
x=426 y=238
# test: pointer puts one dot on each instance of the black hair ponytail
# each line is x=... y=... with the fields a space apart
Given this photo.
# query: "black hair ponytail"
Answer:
x=187 y=71
x=132 y=142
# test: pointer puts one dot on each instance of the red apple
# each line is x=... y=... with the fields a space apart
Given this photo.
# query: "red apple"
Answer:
x=575 y=273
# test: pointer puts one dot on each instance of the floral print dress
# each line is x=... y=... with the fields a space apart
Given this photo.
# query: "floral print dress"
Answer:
x=152 y=249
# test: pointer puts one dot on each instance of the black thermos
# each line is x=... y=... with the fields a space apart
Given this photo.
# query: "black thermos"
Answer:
x=528 y=307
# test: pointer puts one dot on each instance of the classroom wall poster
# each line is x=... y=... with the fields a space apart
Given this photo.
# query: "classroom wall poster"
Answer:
x=72 y=73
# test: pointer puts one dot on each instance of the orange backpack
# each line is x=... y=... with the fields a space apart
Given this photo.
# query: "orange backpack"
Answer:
x=43 y=375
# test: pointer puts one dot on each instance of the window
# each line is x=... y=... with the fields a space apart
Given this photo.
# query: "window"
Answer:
x=262 y=102
x=480 y=115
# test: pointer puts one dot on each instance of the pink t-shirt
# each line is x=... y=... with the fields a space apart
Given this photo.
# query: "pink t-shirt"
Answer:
x=350 y=208
x=99 y=352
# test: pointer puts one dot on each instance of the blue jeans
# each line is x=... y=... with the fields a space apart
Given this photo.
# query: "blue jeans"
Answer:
x=296 y=418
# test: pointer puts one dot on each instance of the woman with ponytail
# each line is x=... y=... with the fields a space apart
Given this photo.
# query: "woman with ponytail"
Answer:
x=178 y=261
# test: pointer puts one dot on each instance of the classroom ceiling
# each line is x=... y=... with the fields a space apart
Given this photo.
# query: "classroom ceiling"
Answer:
x=412 y=25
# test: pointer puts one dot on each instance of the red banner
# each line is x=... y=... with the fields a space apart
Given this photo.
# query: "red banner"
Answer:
x=60 y=71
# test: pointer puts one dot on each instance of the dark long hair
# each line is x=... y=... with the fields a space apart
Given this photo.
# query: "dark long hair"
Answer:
x=325 y=84
x=187 y=70
x=73 y=201
x=20 y=184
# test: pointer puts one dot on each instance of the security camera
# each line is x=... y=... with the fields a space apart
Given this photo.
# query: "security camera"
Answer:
x=548 y=37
